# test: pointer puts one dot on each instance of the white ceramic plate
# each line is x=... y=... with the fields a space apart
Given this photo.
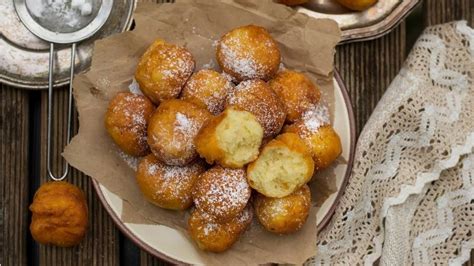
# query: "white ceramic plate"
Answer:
x=171 y=245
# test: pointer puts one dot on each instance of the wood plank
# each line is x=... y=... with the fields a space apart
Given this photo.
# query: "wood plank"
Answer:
x=367 y=69
x=443 y=11
x=101 y=245
x=14 y=139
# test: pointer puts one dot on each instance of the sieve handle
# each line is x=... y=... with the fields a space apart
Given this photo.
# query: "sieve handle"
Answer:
x=50 y=110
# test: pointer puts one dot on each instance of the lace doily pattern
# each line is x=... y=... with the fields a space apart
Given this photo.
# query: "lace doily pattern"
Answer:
x=422 y=126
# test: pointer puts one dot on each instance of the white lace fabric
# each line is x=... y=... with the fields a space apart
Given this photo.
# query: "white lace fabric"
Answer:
x=410 y=199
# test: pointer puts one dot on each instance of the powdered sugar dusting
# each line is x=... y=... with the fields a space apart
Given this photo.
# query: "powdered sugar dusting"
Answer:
x=185 y=125
x=136 y=116
x=222 y=191
x=315 y=117
x=243 y=65
x=208 y=87
x=131 y=161
x=172 y=181
x=257 y=97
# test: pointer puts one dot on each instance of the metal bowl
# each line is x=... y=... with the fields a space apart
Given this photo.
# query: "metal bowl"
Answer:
x=372 y=23
x=24 y=57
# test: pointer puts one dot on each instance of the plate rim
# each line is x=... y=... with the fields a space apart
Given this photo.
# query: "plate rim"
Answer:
x=143 y=245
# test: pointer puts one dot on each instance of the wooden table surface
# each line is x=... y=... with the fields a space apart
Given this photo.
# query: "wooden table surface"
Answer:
x=366 y=67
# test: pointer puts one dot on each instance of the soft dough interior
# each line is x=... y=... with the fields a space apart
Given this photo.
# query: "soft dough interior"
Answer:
x=278 y=172
x=240 y=136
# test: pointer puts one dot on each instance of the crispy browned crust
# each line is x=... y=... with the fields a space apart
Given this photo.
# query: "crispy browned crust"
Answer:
x=168 y=187
x=207 y=89
x=283 y=215
x=119 y=122
x=213 y=236
x=258 y=51
x=163 y=70
x=296 y=92
x=168 y=144
x=59 y=214
x=222 y=192
x=324 y=144
x=256 y=97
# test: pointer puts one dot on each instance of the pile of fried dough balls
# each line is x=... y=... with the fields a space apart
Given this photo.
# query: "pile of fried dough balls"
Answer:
x=235 y=121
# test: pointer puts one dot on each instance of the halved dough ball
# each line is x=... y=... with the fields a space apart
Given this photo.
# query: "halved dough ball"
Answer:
x=214 y=236
x=222 y=192
x=126 y=121
x=167 y=186
x=323 y=142
x=284 y=165
x=231 y=139
x=284 y=215
x=296 y=92
x=248 y=52
x=172 y=130
x=207 y=89
x=163 y=69
x=59 y=214
x=258 y=98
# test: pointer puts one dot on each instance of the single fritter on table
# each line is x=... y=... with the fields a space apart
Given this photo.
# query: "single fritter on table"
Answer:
x=163 y=69
x=248 y=52
x=215 y=236
x=284 y=215
x=168 y=186
x=207 y=89
x=231 y=139
x=172 y=130
x=126 y=122
x=222 y=192
x=257 y=97
x=284 y=165
x=59 y=214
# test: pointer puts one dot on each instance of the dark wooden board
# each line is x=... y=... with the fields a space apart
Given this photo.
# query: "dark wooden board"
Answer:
x=14 y=138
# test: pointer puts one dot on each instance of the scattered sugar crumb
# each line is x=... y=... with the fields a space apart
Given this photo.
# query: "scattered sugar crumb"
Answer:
x=131 y=161
x=134 y=87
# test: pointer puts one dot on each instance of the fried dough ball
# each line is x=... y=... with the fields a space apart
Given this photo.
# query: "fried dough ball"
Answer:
x=293 y=2
x=248 y=52
x=296 y=92
x=59 y=214
x=318 y=134
x=163 y=69
x=214 y=236
x=208 y=89
x=284 y=165
x=284 y=215
x=358 y=5
x=231 y=139
x=257 y=97
x=126 y=121
x=222 y=192
x=167 y=186
x=172 y=130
